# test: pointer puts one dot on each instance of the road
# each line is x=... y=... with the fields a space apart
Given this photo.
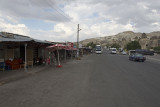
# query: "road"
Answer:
x=98 y=80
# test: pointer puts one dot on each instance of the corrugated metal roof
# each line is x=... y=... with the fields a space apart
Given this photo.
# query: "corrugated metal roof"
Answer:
x=19 y=38
x=41 y=41
x=14 y=38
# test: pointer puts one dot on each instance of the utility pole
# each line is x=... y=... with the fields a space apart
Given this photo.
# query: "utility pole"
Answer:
x=78 y=41
x=65 y=51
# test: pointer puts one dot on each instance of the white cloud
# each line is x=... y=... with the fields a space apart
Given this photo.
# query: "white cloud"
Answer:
x=96 y=17
x=13 y=28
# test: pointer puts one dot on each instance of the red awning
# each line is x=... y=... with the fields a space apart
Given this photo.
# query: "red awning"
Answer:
x=57 y=46
x=60 y=46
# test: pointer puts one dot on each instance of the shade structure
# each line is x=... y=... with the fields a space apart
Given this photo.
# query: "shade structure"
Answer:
x=70 y=48
x=59 y=47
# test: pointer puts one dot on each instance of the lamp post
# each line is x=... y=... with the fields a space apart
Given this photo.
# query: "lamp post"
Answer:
x=78 y=41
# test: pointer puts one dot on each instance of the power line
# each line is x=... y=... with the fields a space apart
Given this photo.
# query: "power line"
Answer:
x=58 y=10
x=50 y=5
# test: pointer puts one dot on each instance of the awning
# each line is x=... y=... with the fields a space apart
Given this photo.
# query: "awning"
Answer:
x=60 y=46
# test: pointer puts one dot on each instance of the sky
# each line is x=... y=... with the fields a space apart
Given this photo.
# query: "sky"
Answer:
x=57 y=20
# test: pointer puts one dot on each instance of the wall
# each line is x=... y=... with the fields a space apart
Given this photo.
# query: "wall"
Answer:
x=9 y=53
x=29 y=54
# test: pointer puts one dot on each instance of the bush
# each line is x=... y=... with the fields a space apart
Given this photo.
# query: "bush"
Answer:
x=157 y=49
x=115 y=45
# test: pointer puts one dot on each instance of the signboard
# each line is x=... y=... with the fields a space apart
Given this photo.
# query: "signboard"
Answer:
x=70 y=44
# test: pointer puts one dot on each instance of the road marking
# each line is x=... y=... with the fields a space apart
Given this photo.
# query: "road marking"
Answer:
x=153 y=59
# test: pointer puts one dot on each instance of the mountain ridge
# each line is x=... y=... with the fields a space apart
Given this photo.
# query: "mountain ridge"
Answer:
x=146 y=40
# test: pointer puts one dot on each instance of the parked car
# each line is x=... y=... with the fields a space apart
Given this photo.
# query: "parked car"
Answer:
x=144 y=51
x=114 y=51
x=137 y=57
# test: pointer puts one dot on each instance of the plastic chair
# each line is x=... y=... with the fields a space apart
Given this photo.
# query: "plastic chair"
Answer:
x=3 y=66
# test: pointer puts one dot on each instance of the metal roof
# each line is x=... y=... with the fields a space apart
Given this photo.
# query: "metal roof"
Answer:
x=19 y=38
x=14 y=38
x=41 y=41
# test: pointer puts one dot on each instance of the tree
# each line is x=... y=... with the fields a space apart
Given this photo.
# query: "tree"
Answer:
x=133 y=45
x=157 y=48
x=91 y=44
x=115 y=45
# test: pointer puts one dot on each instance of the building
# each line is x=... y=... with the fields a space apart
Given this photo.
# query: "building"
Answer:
x=14 y=47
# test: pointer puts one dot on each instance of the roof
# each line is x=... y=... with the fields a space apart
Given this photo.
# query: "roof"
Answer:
x=7 y=37
x=41 y=41
x=10 y=37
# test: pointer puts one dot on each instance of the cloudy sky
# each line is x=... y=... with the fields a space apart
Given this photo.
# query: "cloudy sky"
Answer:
x=56 y=20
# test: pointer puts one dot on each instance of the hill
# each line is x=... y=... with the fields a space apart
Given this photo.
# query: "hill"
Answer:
x=146 y=40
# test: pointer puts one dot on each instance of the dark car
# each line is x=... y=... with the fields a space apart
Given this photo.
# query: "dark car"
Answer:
x=137 y=57
x=144 y=52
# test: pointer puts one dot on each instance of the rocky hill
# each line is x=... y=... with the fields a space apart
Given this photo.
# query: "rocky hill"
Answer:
x=146 y=40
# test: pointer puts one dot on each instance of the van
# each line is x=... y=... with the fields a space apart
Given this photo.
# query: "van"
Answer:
x=114 y=51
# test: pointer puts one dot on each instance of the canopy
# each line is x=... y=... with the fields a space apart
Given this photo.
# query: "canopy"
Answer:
x=58 y=47
x=61 y=46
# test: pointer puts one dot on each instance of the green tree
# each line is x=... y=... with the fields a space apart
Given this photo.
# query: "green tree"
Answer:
x=91 y=44
x=133 y=45
x=115 y=45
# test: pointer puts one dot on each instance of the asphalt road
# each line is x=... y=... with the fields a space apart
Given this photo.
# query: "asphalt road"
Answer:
x=98 y=80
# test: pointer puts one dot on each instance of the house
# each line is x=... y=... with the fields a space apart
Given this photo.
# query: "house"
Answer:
x=14 y=47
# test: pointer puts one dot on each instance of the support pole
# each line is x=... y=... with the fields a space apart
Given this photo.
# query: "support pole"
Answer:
x=25 y=57
x=71 y=54
x=65 y=52
x=58 y=57
x=59 y=64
